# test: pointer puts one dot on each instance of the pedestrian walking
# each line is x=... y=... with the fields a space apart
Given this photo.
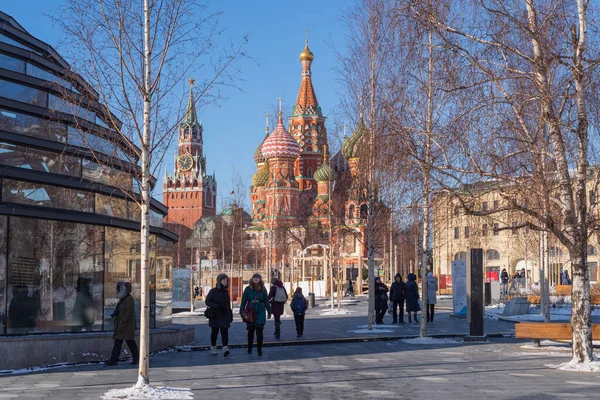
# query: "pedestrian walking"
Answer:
x=299 y=305
x=124 y=325
x=564 y=278
x=397 y=296
x=432 y=288
x=515 y=280
x=349 y=289
x=219 y=313
x=412 y=298
x=381 y=300
x=504 y=280
x=278 y=297
x=256 y=300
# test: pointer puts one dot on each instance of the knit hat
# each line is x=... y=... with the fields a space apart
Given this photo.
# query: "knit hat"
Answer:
x=257 y=275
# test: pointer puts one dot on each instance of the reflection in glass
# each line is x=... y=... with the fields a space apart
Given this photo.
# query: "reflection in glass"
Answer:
x=24 y=94
x=12 y=64
x=3 y=230
x=15 y=122
x=80 y=138
x=39 y=160
x=37 y=72
x=6 y=39
x=59 y=104
x=38 y=194
x=107 y=175
x=54 y=276
x=163 y=284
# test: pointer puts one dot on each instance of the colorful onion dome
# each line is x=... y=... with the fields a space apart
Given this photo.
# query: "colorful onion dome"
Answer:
x=261 y=176
x=339 y=163
x=352 y=145
x=325 y=173
x=306 y=54
x=280 y=144
x=258 y=155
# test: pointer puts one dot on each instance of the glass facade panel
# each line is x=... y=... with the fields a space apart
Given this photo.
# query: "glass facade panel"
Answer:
x=39 y=160
x=107 y=175
x=54 y=276
x=12 y=64
x=3 y=263
x=113 y=206
x=123 y=263
x=80 y=138
x=163 y=284
x=24 y=94
x=156 y=219
x=15 y=122
x=58 y=104
x=6 y=39
x=37 y=72
x=37 y=194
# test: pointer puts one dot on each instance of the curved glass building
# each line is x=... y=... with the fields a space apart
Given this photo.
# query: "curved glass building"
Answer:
x=69 y=222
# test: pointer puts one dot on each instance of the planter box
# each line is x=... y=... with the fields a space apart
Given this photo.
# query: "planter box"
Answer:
x=595 y=300
x=446 y=291
x=534 y=299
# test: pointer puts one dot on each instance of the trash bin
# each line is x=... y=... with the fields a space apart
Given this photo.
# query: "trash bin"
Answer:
x=311 y=300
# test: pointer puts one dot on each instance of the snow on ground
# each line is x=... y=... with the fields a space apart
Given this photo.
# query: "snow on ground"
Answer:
x=592 y=366
x=197 y=313
x=376 y=331
x=148 y=392
x=336 y=312
x=428 y=340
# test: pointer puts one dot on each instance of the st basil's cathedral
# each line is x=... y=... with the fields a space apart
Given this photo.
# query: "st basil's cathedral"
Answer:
x=300 y=195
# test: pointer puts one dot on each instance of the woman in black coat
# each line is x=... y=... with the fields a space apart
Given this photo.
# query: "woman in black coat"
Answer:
x=221 y=315
x=412 y=297
x=381 y=300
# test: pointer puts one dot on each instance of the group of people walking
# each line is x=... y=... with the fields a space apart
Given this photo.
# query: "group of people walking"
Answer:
x=401 y=293
x=256 y=307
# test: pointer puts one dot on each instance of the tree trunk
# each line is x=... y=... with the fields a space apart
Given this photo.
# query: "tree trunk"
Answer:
x=144 y=376
x=581 y=309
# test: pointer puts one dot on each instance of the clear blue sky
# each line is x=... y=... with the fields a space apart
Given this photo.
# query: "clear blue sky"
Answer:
x=276 y=32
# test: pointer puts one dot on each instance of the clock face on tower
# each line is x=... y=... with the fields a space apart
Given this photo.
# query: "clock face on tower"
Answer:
x=185 y=162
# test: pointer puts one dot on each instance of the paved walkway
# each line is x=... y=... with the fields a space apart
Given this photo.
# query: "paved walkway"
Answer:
x=499 y=369
x=352 y=326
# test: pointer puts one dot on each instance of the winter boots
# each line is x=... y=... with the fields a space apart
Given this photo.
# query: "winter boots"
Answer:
x=225 y=351
x=277 y=330
x=213 y=350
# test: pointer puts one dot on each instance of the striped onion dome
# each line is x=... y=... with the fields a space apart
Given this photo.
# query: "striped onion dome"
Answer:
x=280 y=144
x=353 y=144
x=325 y=173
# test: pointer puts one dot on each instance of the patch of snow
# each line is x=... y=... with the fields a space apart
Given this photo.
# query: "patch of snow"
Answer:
x=378 y=326
x=89 y=355
x=199 y=313
x=148 y=392
x=361 y=331
x=428 y=340
x=592 y=366
x=336 y=312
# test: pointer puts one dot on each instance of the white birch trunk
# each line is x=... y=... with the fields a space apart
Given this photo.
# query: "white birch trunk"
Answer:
x=144 y=377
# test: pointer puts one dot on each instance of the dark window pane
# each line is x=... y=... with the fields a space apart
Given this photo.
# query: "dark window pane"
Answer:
x=80 y=138
x=40 y=73
x=39 y=160
x=6 y=39
x=12 y=64
x=62 y=105
x=106 y=175
x=23 y=94
x=31 y=126
x=37 y=194
x=3 y=254
x=55 y=276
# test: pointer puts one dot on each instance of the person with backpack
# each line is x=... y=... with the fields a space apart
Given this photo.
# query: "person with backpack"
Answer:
x=299 y=305
x=278 y=297
x=255 y=304
x=412 y=297
x=397 y=296
x=432 y=288
x=381 y=300
x=219 y=314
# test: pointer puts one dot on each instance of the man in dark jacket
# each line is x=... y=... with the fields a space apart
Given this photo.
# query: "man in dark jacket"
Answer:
x=504 y=280
x=397 y=296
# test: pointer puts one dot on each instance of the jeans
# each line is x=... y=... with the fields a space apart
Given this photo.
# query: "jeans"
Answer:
x=430 y=312
x=299 y=320
x=259 y=338
x=504 y=288
x=224 y=335
x=277 y=325
x=398 y=304
x=116 y=351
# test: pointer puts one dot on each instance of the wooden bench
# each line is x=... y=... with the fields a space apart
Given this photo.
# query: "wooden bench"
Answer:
x=550 y=331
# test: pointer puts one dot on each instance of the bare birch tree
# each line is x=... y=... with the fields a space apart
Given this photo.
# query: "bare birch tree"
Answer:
x=135 y=55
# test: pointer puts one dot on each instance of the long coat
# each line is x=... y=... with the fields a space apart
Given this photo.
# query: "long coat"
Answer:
x=261 y=305
x=380 y=296
x=218 y=299
x=432 y=288
x=125 y=319
x=277 y=307
x=412 y=296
